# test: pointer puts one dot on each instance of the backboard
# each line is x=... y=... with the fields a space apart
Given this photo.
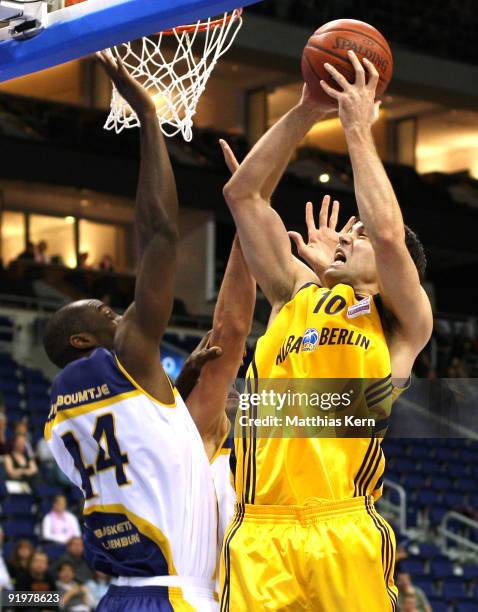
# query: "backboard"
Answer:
x=86 y=27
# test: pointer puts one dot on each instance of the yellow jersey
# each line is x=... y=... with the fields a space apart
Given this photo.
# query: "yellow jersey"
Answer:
x=320 y=334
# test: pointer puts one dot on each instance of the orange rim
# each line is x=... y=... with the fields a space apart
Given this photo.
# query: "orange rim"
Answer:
x=205 y=26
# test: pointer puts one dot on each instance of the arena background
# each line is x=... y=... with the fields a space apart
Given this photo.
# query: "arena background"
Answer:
x=66 y=210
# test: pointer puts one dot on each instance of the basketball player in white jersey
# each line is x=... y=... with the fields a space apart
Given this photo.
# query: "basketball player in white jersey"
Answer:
x=119 y=430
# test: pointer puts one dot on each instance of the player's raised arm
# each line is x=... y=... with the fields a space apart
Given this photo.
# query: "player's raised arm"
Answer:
x=263 y=237
x=232 y=323
x=379 y=210
x=156 y=223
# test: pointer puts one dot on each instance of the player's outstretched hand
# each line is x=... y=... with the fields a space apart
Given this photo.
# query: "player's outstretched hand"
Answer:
x=229 y=157
x=193 y=365
x=128 y=87
x=357 y=106
x=323 y=240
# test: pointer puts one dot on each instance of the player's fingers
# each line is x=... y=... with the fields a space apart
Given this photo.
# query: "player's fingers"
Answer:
x=359 y=69
x=309 y=218
x=208 y=354
x=337 y=76
x=334 y=217
x=324 y=212
x=299 y=241
x=348 y=226
x=229 y=157
x=330 y=91
x=373 y=74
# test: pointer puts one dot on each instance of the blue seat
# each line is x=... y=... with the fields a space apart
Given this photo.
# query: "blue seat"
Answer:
x=454 y=591
x=453 y=500
x=427 y=498
x=19 y=528
x=457 y=470
x=54 y=551
x=470 y=572
x=18 y=505
x=429 y=468
x=441 y=483
x=37 y=421
x=426 y=586
x=414 y=481
x=441 y=569
x=437 y=514
x=438 y=605
x=45 y=490
x=419 y=452
x=429 y=551
x=414 y=567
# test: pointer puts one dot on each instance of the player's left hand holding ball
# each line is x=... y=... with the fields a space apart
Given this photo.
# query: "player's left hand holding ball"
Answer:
x=357 y=105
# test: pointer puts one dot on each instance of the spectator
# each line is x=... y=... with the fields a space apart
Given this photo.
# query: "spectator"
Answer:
x=20 y=560
x=106 y=263
x=28 y=254
x=38 y=577
x=41 y=254
x=5 y=580
x=3 y=434
x=82 y=260
x=409 y=603
x=408 y=591
x=59 y=525
x=21 y=427
x=98 y=586
x=75 y=556
x=18 y=465
x=76 y=597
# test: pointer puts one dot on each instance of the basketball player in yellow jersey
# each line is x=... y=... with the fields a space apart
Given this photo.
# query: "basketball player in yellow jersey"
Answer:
x=306 y=535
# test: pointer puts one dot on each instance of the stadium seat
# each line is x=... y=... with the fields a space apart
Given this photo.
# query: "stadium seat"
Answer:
x=414 y=567
x=19 y=528
x=438 y=605
x=453 y=500
x=426 y=586
x=437 y=514
x=54 y=551
x=465 y=607
x=18 y=505
x=427 y=498
x=429 y=551
x=45 y=490
x=441 y=569
x=470 y=572
x=441 y=483
x=454 y=591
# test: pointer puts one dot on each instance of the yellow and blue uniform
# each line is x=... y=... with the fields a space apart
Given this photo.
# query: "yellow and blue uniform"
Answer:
x=305 y=534
x=150 y=506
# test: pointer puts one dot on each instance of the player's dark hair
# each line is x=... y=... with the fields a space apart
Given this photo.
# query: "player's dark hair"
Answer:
x=66 y=322
x=417 y=252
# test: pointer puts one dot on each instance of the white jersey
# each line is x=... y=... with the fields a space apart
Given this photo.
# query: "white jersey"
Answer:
x=223 y=476
x=150 y=505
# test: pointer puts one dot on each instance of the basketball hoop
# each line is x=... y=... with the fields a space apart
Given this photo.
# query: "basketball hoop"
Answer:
x=177 y=83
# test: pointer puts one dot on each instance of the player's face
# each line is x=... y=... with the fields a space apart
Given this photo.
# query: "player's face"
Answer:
x=107 y=321
x=354 y=262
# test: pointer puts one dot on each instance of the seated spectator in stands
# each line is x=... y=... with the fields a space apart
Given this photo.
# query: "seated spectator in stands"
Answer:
x=38 y=577
x=98 y=586
x=28 y=254
x=21 y=427
x=75 y=556
x=409 y=603
x=50 y=470
x=18 y=465
x=82 y=260
x=106 y=263
x=410 y=595
x=59 y=525
x=5 y=580
x=76 y=597
x=41 y=255
x=20 y=560
x=4 y=447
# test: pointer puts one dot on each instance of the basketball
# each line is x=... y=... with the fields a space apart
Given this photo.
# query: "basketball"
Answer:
x=331 y=42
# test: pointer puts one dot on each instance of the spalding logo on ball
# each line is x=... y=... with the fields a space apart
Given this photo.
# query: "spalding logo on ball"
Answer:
x=331 y=42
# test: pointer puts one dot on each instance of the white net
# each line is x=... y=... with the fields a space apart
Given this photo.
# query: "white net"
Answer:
x=174 y=74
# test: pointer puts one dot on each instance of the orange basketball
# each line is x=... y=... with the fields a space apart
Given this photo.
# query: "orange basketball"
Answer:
x=331 y=42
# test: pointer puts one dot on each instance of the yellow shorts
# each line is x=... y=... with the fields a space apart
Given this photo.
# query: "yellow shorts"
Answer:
x=323 y=557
